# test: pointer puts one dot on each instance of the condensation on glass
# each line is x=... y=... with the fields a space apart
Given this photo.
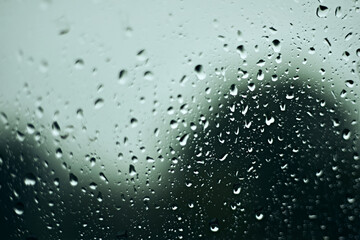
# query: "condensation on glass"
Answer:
x=181 y=120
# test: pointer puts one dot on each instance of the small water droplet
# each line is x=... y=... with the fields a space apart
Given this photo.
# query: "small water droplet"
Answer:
x=19 y=208
x=251 y=87
x=141 y=55
x=99 y=197
x=132 y=171
x=79 y=113
x=349 y=83
x=123 y=76
x=269 y=120
x=149 y=76
x=214 y=225
x=3 y=118
x=133 y=122
x=338 y=12
x=200 y=72
x=93 y=186
x=236 y=189
x=55 y=129
x=224 y=157
x=20 y=136
x=30 y=179
x=346 y=134
x=79 y=64
x=73 y=180
x=184 y=139
x=241 y=51
x=58 y=153
x=260 y=75
x=103 y=177
x=30 y=128
x=173 y=124
x=259 y=216
x=92 y=161
x=233 y=90
x=99 y=103
x=276 y=45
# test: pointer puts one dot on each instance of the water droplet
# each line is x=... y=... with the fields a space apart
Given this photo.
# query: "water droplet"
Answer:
x=241 y=51
x=269 y=120
x=149 y=76
x=55 y=129
x=251 y=87
x=184 y=139
x=173 y=124
x=19 y=208
x=79 y=64
x=44 y=65
x=312 y=50
x=123 y=75
x=349 y=83
x=79 y=113
x=3 y=118
x=236 y=189
x=343 y=93
x=20 y=136
x=224 y=157
x=103 y=177
x=99 y=197
x=276 y=45
x=133 y=122
x=30 y=179
x=338 y=12
x=56 y=182
x=350 y=199
x=290 y=95
x=260 y=75
x=132 y=171
x=259 y=216
x=93 y=186
x=64 y=31
x=200 y=72
x=322 y=11
x=92 y=161
x=347 y=38
x=150 y=159
x=233 y=90
x=73 y=180
x=30 y=128
x=128 y=31
x=346 y=134
x=141 y=55
x=99 y=103
x=58 y=153
x=214 y=225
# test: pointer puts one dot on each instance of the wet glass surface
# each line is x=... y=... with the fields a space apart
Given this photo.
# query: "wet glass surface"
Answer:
x=182 y=120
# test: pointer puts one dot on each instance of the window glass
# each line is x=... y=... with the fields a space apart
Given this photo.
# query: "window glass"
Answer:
x=182 y=120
